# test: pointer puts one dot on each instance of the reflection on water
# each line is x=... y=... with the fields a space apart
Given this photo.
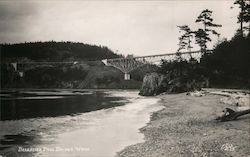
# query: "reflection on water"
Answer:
x=31 y=104
x=72 y=123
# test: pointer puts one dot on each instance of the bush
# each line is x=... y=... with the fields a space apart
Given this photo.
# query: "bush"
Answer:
x=182 y=76
x=228 y=65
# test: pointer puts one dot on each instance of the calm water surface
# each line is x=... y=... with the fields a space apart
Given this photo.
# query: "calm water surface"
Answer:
x=72 y=122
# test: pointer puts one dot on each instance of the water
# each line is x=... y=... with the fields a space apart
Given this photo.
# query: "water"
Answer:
x=72 y=123
x=52 y=103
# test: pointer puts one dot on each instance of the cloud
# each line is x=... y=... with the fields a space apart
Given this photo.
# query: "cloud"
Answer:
x=139 y=27
x=15 y=16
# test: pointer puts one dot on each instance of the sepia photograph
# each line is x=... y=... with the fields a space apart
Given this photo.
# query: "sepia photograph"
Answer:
x=124 y=78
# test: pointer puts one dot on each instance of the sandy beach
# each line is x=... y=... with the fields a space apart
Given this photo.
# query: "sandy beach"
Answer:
x=187 y=127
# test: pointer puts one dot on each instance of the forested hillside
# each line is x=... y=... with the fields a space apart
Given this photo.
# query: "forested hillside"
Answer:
x=55 y=51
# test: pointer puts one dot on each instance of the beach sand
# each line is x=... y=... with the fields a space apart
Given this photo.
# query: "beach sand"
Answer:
x=187 y=127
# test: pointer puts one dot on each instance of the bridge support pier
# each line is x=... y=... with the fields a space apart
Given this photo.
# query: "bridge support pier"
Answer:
x=126 y=76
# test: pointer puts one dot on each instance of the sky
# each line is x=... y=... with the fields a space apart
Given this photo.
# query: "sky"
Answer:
x=126 y=27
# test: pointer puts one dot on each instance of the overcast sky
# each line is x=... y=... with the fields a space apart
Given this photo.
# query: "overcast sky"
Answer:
x=129 y=27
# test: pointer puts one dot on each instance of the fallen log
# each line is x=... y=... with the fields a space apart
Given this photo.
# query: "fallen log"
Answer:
x=230 y=114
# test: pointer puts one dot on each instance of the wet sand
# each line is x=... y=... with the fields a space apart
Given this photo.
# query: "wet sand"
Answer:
x=187 y=127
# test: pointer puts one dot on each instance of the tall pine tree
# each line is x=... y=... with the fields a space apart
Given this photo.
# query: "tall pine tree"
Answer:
x=185 y=39
x=244 y=15
x=202 y=35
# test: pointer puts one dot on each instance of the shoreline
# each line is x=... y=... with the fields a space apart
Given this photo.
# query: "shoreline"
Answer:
x=186 y=126
x=101 y=132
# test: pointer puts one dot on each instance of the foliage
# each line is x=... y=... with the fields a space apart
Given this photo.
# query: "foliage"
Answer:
x=182 y=76
x=55 y=51
x=202 y=35
x=201 y=38
x=54 y=75
x=139 y=73
x=185 y=39
x=244 y=14
x=227 y=67
x=229 y=63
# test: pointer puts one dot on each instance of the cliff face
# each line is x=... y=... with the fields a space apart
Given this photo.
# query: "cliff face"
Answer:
x=151 y=84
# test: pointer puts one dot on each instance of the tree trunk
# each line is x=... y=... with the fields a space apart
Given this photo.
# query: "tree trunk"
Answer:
x=241 y=18
x=230 y=114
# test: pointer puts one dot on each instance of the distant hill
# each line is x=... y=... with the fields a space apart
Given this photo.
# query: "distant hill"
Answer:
x=55 y=51
x=91 y=73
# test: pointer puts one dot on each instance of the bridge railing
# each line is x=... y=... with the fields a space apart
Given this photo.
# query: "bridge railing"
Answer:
x=161 y=56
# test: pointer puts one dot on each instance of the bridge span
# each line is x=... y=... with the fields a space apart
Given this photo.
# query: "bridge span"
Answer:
x=128 y=64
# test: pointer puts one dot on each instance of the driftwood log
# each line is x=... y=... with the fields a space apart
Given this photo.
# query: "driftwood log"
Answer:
x=230 y=114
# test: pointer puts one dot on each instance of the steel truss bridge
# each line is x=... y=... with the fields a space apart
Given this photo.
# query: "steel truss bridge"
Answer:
x=126 y=64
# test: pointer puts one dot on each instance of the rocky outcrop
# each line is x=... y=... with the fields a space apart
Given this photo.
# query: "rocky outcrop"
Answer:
x=155 y=83
x=151 y=84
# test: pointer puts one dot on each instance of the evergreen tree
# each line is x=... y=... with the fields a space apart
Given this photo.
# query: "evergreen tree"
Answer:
x=244 y=14
x=185 y=39
x=201 y=38
x=202 y=35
